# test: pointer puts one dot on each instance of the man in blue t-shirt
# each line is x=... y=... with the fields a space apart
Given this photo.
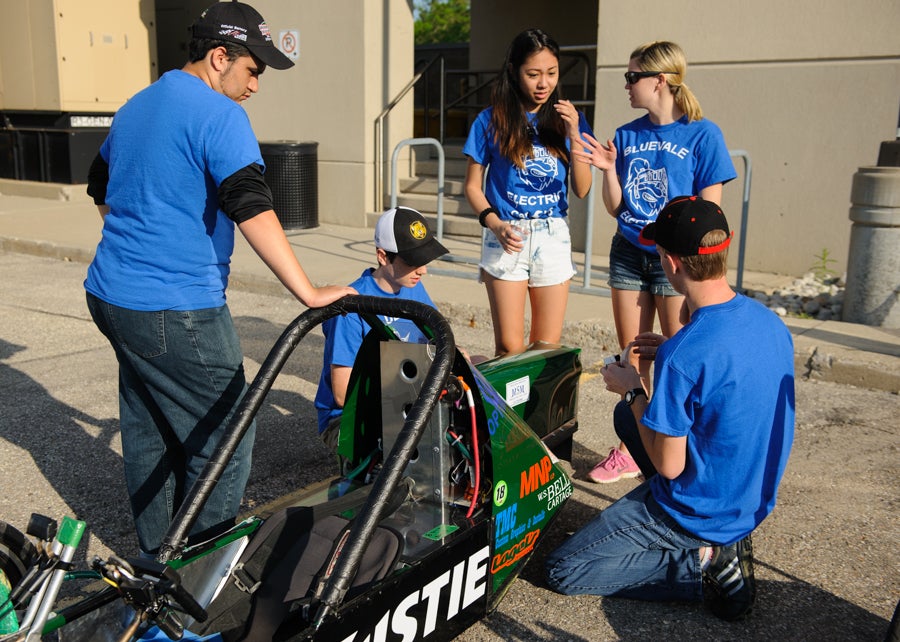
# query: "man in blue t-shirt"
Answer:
x=404 y=245
x=712 y=443
x=179 y=170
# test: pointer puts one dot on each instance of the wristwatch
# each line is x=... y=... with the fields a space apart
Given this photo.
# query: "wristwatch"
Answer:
x=632 y=394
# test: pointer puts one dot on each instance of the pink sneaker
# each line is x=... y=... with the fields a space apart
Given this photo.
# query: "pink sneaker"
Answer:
x=616 y=466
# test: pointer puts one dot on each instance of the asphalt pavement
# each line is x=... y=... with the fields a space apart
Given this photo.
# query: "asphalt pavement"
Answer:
x=827 y=558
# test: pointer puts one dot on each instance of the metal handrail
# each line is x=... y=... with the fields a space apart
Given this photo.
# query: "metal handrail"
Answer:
x=439 y=232
x=440 y=192
x=481 y=85
x=379 y=127
x=586 y=287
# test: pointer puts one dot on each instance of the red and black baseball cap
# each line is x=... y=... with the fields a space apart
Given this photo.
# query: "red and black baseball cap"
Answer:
x=683 y=222
x=405 y=232
x=240 y=23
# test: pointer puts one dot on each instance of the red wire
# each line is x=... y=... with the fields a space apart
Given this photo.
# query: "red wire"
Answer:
x=475 y=454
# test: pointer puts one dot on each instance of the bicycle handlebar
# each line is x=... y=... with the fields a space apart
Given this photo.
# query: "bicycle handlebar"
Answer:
x=142 y=582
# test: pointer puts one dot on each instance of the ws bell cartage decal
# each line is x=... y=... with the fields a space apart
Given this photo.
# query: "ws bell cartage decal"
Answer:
x=528 y=486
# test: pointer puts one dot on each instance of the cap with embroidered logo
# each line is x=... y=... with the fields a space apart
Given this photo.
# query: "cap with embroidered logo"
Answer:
x=242 y=24
x=405 y=232
x=681 y=225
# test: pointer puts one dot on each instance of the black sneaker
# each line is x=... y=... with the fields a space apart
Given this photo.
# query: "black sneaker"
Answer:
x=729 y=578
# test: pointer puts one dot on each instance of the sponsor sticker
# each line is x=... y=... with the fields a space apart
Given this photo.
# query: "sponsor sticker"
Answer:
x=556 y=492
x=515 y=552
x=518 y=391
x=537 y=476
x=501 y=492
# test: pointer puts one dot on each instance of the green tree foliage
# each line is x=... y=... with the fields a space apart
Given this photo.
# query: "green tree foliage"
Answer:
x=441 y=21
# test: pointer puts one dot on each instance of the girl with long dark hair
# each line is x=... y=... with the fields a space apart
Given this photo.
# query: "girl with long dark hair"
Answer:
x=523 y=143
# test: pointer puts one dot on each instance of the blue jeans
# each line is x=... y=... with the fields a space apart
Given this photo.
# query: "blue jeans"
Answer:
x=627 y=430
x=181 y=377
x=632 y=549
x=631 y=268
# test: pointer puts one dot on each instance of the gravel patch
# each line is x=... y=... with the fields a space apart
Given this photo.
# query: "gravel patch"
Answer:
x=811 y=296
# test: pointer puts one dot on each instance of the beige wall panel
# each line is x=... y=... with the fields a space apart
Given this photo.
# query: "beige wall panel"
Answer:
x=729 y=30
x=336 y=90
x=310 y=101
x=805 y=138
x=28 y=72
x=810 y=103
x=342 y=190
x=72 y=55
x=104 y=52
x=808 y=129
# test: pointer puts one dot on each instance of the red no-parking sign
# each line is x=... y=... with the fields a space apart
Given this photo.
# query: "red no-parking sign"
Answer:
x=289 y=43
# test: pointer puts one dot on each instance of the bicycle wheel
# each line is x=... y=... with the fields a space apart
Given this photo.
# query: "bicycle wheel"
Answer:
x=17 y=553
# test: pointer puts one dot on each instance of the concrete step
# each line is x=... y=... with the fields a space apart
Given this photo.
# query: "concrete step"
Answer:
x=429 y=185
x=420 y=192
x=452 y=150
x=453 y=167
x=428 y=203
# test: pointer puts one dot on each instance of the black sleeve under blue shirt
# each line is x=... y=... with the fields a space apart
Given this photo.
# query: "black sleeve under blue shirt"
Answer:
x=245 y=194
x=98 y=178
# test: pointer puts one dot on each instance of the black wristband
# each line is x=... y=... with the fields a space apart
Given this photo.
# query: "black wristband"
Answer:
x=483 y=215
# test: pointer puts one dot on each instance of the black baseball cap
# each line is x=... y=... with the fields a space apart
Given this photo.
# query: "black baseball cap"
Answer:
x=405 y=232
x=682 y=224
x=240 y=23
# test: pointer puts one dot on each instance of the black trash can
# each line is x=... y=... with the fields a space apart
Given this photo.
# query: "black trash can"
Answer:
x=293 y=176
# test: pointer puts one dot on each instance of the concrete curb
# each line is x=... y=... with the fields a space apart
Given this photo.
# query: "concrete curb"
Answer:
x=846 y=353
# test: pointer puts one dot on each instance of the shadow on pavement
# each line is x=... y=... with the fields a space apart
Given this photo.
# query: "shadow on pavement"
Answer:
x=72 y=450
x=787 y=607
x=288 y=453
x=510 y=630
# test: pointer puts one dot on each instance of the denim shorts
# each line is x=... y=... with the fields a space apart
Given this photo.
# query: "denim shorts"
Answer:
x=545 y=260
x=632 y=268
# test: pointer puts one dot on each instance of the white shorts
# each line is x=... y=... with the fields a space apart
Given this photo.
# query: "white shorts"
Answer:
x=545 y=260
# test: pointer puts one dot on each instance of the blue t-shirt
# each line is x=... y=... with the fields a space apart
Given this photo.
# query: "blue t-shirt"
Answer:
x=165 y=244
x=726 y=381
x=656 y=163
x=538 y=191
x=344 y=335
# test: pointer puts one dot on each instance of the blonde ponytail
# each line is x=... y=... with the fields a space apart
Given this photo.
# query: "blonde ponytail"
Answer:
x=668 y=57
x=685 y=99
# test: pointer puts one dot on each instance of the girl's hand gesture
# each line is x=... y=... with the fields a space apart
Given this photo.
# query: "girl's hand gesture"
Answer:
x=599 y=155
x=569 y=114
